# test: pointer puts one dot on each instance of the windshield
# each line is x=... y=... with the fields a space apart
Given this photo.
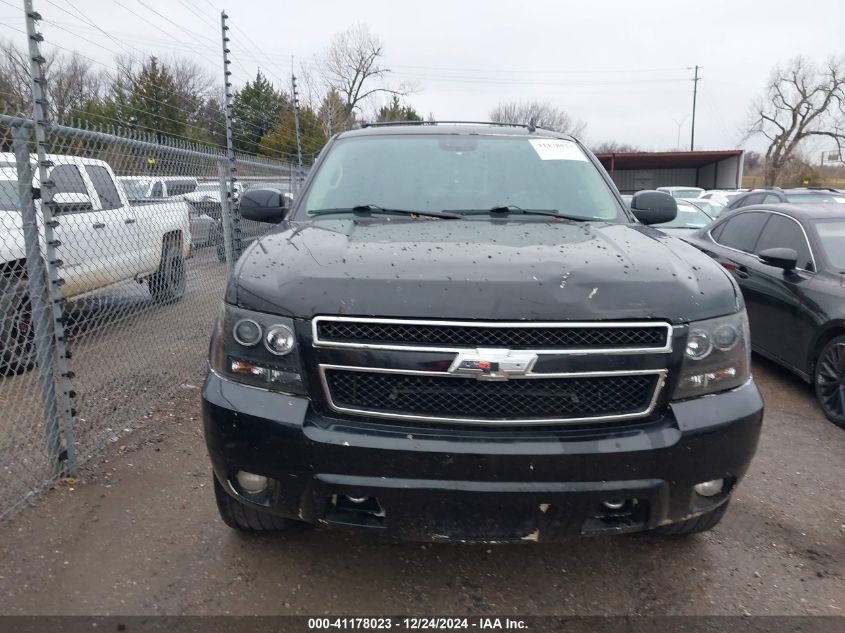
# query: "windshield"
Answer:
x=135 y=188
x=689 y=217
x=711 y=207
x=211 y=187
x=9 y=199
x=461 y=173
x=832 y=237
x=817 y=197
x=686 y=193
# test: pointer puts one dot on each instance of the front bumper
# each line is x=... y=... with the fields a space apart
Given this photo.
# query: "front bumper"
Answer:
x=478 y=484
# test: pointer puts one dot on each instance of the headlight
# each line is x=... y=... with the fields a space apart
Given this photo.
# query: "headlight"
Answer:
x=237 y=353
x=279 y=340
x=717 y=356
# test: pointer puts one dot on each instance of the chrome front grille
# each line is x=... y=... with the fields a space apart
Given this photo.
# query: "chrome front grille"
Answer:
x=491 y=373
x=455 y=335
x=537 y=400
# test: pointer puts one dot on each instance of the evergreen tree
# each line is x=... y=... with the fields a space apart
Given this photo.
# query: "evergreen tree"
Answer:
x=397 y=111
x=334 y=115
x=280 y=142
x=148 y=100
x=255 y=110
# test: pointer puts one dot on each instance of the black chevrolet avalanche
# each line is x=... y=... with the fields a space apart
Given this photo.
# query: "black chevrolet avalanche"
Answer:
x=461 y=332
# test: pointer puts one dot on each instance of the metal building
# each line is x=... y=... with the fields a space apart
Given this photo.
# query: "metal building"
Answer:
x=634 y=171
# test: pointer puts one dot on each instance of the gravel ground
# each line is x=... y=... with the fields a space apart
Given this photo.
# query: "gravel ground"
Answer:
x=139 y=534
x=127 y=352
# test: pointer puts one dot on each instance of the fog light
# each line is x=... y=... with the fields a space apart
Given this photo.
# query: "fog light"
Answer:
x=250 y=482
x=709 y=488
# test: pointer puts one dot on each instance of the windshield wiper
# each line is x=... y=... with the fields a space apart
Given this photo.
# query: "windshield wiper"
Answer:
x=512 y=208
x=365 y=209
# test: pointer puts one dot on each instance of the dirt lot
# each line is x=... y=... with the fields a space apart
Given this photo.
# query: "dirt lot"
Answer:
x=139 y=534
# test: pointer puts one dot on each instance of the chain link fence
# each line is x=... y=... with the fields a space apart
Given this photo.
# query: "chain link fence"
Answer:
x=116 y=248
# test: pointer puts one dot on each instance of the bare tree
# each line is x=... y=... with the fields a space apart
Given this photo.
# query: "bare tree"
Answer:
x=333 y=114
x=15 y=82
x=613 y=147
x=71 y=82
x=194 y=84
x=309 y=87
x=542 y=114
x=352 y=67
x=802 y=101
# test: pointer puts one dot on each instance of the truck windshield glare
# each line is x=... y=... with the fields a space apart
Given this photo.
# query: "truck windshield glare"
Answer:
x=433 y=173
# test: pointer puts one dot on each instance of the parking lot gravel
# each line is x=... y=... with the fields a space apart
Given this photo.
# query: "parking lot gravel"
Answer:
x=138 y=533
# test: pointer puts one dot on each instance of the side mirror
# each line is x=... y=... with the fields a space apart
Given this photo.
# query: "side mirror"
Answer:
x=67 y=202
x=654 y=207
x=785 y=258
x=264 y=205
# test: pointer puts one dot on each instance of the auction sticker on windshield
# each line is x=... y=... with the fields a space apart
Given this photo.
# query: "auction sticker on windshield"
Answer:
x=556 y=149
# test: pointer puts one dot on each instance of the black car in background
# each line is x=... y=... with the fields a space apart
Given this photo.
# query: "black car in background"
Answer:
x=789 y=261
x=798 y=195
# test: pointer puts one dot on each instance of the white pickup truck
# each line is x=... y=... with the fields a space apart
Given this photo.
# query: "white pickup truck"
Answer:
x=147 y=187
x=103 y=240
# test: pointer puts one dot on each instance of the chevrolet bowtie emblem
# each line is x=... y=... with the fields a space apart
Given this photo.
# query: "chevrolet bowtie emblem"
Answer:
x=493 y=364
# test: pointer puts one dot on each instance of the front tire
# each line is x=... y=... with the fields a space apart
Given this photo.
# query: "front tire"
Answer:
x=243 y=518
x=829 y=380
x=17 y=334
x=167 y=284
x=701 y=523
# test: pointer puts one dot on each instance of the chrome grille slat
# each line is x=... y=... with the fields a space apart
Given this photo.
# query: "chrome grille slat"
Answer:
x=447 y=336
x=543 y=398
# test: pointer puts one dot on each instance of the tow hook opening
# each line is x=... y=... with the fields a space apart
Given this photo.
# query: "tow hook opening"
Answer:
x=360 y=511
x=617 y=515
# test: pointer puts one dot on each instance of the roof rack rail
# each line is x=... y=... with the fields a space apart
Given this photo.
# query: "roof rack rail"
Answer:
x=823 y=189
x=527 y=126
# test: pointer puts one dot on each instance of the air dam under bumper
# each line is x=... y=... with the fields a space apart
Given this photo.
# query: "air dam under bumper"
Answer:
x=478 y=484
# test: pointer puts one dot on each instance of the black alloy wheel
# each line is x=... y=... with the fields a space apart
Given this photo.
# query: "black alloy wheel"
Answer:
x=830 y=381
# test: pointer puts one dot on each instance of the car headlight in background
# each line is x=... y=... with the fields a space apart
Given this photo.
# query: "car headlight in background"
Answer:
x=717 y=356
x=237 y=351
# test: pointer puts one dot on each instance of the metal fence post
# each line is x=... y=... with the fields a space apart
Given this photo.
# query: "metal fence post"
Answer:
x=229 y=193
x=63 y=390
x=226 y=214
x=39 y=300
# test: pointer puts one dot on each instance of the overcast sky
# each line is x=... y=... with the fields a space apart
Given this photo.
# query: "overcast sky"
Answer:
x=623 y=67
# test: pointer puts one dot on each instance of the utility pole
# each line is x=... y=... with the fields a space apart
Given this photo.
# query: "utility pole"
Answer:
x=694 y=97
x=296 y=117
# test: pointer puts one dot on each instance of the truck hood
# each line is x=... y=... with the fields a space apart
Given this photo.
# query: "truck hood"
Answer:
x=479 y=269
